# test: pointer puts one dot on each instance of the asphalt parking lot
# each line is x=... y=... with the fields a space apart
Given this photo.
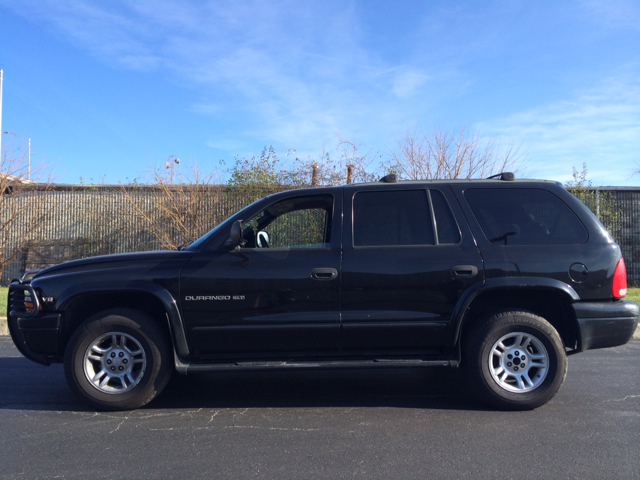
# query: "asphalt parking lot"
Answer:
x=324 y=424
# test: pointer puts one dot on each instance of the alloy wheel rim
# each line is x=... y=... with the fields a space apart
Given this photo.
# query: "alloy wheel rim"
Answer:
x=518 y=362
x=114 y=362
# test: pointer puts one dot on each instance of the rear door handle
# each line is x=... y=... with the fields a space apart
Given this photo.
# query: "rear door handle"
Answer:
x=324 y=273
x=464 y=271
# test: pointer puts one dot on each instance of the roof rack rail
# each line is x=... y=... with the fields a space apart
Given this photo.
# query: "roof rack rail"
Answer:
x=506 y=176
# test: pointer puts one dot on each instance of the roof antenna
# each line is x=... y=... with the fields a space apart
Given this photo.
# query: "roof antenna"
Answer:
x=391 y=178
x=506 y=176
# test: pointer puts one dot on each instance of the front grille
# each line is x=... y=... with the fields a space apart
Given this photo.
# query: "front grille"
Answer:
x=23 y=301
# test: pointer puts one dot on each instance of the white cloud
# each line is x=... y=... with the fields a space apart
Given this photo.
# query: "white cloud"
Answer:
x=298 y=71
x=618 y=14
x=296 y=74
x=600 y=127
x=407 y=82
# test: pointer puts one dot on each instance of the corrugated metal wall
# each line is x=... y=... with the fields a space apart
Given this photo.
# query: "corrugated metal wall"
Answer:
x=97 y=220
x=626 y=230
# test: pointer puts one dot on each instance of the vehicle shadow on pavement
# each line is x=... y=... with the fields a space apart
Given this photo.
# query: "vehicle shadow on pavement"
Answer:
x=28 y=386
x=25 y=385
x=404 y=388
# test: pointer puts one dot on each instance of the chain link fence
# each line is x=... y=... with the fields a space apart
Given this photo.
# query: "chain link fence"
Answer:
x=83 y=221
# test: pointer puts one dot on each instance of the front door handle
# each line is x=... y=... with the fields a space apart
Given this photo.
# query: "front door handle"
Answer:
x=324 y=273
x=464 y=271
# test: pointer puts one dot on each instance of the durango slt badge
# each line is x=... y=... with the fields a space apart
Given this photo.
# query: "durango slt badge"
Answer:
x=215 y=297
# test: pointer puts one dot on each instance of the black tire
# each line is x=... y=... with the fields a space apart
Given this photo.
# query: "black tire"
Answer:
x=118 y=360
x=490 y=351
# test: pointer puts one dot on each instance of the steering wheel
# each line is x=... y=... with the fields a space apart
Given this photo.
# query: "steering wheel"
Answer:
x=263 y=239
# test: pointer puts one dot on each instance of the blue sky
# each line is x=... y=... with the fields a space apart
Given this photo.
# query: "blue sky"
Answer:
x=105 y=90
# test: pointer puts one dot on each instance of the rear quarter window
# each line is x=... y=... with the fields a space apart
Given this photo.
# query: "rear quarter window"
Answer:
x=524 y=216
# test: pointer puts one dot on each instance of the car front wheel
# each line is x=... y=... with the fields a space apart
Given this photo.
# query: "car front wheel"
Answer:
x=118 y=360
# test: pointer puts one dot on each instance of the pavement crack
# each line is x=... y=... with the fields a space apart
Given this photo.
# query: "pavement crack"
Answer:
x=119 y=425
x=623 y=399
x=279 y=429
x=239 y=414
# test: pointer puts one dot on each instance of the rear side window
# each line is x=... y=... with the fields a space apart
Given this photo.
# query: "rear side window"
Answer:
x=392 y=218
x=524 y=216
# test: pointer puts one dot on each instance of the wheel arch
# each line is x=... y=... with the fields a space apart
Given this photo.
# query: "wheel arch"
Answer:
x=546 y=298
x=153 y=300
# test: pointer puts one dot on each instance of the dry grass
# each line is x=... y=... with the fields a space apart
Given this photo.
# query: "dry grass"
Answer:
x=177 y=214
x=633 y=294
x=27 y=215
x=3 y=301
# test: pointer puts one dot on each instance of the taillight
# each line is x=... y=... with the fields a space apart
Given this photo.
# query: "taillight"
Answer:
x=619 y=288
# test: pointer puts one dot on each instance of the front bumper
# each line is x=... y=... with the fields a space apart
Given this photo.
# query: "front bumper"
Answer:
x=605 y=324
x=37 y=337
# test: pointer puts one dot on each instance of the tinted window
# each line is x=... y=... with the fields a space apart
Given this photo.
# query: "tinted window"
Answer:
x=524 y=216
x=446 y=226
x=392 y=218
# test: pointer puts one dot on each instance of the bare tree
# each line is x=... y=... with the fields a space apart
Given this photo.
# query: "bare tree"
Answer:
x=23 y=204
x=353 y=165
x=443 y=154
x=176 y=212
x=345 y=164
x=268 y=172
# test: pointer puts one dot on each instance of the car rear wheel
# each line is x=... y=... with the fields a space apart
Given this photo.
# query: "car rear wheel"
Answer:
x=516 y=360
x=118 y=360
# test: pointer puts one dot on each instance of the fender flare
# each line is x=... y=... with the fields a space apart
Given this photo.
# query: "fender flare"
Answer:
x=174 y=319
x=495 y=284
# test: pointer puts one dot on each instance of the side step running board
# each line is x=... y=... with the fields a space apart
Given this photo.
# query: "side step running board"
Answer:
x=185 y=368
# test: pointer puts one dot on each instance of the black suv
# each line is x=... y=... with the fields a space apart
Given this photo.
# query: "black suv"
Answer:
x=502 y=277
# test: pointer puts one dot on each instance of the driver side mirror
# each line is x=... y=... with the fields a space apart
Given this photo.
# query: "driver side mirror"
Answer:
x=235 y=237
